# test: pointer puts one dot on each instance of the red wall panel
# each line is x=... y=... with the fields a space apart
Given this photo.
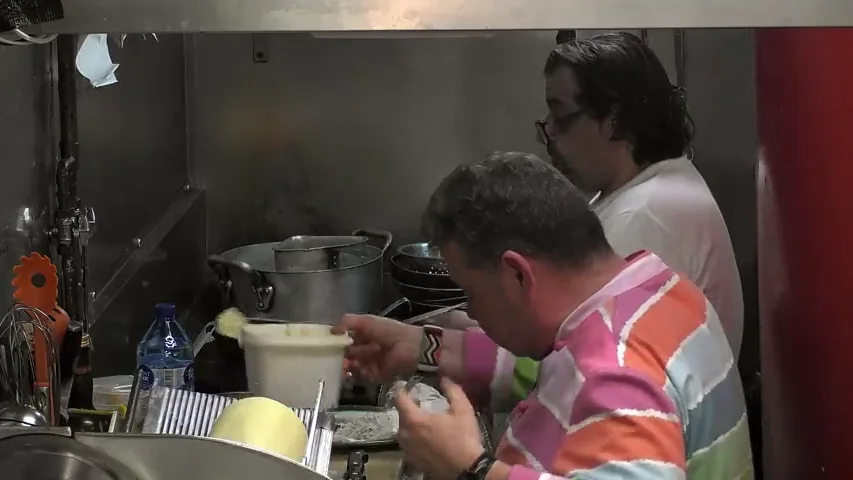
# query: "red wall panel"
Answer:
x=804 y=111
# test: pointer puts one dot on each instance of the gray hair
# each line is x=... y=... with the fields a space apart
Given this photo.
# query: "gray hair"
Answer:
x=514 y=201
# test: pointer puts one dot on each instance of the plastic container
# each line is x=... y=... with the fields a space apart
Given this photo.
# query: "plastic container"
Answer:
x=111 y=393
x=286 y=361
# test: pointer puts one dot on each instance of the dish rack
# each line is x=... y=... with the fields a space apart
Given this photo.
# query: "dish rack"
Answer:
x=171 y=411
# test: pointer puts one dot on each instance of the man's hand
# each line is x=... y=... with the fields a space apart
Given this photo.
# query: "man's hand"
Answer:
x=441 y=444
x=382 y=348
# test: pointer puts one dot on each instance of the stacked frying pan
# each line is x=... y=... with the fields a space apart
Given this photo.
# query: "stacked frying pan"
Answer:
x=420 y=274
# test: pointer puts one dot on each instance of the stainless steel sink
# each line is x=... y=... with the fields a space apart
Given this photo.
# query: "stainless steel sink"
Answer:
x=166 y=457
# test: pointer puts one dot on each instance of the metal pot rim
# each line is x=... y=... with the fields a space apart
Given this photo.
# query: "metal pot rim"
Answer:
x=417 y=288
x=340 y=241
x=403 y=250
x=377 y=256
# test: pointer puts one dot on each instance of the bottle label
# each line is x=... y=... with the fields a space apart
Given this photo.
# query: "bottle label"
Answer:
x=147 y=377
x=179 y=378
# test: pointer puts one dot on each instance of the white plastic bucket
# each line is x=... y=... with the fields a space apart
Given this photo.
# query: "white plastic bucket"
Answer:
x=286 y=361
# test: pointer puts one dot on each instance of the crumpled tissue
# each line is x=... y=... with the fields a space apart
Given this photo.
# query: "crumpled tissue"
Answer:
x=94 y=61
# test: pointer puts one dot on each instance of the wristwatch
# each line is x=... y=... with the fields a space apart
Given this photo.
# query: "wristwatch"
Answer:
x=430 y=349
x=479 y=469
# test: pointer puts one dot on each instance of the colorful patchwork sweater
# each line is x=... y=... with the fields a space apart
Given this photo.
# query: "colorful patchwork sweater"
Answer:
x=641 y=384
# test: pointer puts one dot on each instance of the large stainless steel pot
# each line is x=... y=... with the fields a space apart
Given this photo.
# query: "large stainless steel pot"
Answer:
x=252 y=284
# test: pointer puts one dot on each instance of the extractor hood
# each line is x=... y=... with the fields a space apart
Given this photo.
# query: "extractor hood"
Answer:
x=160 y=16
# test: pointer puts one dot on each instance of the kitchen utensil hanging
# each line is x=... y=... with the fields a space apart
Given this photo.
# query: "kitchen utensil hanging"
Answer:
x=29 y=377
x=36 y=285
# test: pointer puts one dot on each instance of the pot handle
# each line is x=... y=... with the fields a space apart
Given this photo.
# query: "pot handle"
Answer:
x=224 y=278
x=394 y=306
x=375 y=232
x=262 y=290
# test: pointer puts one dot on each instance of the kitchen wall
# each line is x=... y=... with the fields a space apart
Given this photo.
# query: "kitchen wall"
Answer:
x=132 y=171
x=149 y=244
x=336 y=134
x=26 y=151
x=132 y=145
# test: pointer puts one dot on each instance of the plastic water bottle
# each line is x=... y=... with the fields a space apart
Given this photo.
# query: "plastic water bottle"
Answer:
x=165 y=353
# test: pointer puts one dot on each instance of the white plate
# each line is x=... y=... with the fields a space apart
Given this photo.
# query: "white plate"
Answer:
x=366 y=427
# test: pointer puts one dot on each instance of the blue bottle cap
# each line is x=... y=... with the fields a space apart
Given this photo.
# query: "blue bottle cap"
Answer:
x=165 y=310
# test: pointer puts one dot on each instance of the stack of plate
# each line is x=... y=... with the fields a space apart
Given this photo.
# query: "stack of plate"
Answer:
x=420 y=274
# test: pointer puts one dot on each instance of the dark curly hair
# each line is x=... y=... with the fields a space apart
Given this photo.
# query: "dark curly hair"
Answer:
x=619 y=75
x=514 y=201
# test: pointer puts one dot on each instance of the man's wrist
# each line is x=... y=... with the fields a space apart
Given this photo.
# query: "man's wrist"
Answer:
x=466 y=461
x=478 y=466
x=431 y=346
x=499 y=471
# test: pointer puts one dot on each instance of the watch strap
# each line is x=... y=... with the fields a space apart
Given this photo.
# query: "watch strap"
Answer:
x=480 y=468
x=430 y=354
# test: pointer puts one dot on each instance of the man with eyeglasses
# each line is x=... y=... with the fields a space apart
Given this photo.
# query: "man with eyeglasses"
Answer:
x=621 y=132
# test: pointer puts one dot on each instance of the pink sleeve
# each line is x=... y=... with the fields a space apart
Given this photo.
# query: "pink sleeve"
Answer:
x=520 y=472
x=483 y=369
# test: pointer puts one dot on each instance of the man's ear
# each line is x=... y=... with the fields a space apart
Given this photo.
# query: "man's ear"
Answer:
x=611 y=128
x=517 y=274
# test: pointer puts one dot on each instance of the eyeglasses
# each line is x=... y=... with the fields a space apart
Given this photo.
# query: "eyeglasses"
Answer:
x=549 y=127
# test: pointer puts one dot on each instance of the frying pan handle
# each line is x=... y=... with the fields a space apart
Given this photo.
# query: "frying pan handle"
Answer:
x=263 y=291
x=375 y=232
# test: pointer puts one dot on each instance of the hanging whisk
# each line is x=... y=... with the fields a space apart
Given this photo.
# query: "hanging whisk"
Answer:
x=29 y=360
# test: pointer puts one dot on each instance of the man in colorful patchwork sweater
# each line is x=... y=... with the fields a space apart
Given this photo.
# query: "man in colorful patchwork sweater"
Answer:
x=636 y=379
